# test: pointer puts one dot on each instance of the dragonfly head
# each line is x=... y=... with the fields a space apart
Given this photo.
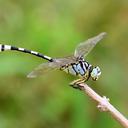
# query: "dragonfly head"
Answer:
x=95 y=74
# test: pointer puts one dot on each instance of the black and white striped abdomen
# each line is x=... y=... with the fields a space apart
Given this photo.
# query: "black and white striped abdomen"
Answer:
x=9 y=47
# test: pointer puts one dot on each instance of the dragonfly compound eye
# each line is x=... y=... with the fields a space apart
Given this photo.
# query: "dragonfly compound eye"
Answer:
x=95 y=74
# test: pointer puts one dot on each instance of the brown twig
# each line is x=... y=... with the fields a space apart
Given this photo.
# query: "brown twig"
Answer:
x=104 y=105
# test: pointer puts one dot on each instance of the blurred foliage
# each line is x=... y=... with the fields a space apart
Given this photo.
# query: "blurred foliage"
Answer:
x=55 y=27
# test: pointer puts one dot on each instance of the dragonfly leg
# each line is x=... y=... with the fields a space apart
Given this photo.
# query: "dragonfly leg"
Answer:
x=75 y=83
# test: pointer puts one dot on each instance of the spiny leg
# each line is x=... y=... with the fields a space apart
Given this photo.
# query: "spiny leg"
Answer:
x=76 y=83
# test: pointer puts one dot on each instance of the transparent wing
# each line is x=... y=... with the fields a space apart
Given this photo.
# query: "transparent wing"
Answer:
x=85 y=47
x=42 y=69
x=46 y=67
x=65 y=61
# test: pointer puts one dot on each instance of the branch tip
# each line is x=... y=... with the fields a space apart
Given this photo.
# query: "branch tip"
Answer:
x=103 y=104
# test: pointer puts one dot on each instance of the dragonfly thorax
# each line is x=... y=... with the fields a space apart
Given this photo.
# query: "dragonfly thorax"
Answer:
x=82 y=69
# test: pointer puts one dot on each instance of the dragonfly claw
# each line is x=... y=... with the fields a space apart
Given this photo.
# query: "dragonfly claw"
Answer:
x=76 y=83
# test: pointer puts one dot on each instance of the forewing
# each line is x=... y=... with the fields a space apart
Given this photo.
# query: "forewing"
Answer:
x=65 y=61
x=85 y=47
x=46 y=67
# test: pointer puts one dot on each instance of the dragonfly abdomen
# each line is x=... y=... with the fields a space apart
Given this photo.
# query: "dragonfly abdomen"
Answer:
x=9 y=47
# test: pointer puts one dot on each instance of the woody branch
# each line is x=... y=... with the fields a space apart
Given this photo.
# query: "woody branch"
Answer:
x=104 y=105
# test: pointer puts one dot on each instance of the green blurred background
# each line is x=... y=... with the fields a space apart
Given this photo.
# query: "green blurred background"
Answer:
x=55 y=27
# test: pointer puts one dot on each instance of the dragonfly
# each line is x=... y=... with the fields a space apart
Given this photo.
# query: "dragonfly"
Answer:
x=75 y=64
